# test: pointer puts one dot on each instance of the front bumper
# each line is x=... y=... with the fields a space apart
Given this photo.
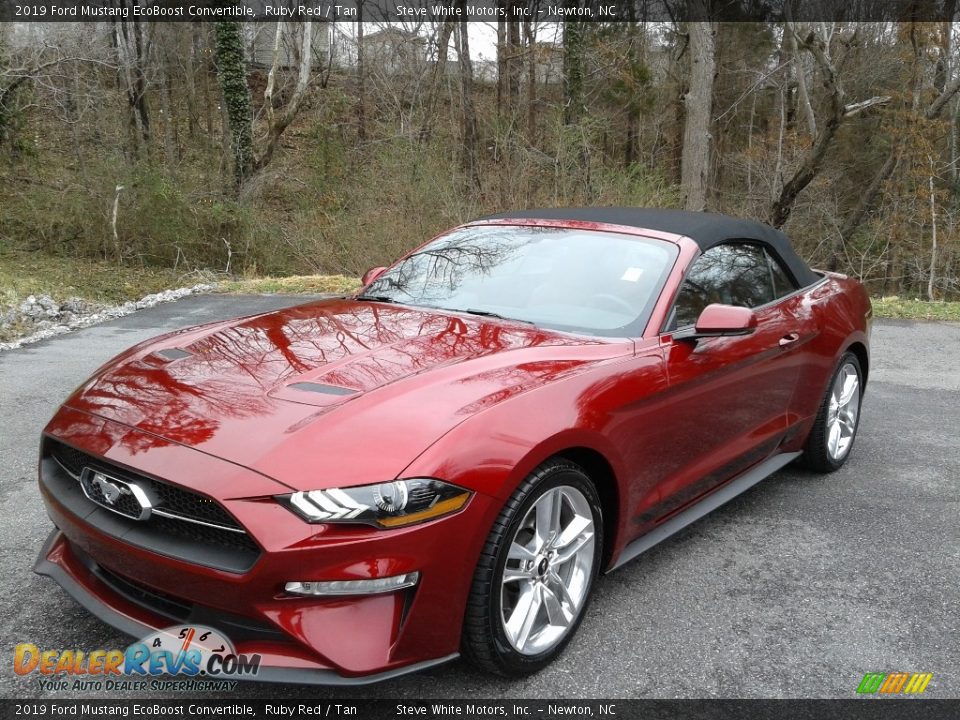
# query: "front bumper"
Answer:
x=327 y=640
x=81 y=582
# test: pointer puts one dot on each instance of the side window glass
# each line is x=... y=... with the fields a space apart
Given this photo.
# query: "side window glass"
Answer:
x=731 y=274
x=782 y=284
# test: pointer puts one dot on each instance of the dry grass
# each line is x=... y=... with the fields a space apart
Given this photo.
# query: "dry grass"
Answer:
x=26 y=273
x=293 y=285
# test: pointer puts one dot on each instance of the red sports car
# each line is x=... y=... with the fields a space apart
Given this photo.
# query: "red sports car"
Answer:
x=443 y=463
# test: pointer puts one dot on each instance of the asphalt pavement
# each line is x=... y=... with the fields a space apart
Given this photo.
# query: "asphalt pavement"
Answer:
x=795 y=589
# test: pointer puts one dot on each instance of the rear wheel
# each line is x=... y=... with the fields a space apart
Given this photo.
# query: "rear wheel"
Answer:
x=835 y=428
x=535 y=575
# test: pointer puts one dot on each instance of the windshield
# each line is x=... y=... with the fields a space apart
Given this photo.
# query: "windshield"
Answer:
x=575 y=280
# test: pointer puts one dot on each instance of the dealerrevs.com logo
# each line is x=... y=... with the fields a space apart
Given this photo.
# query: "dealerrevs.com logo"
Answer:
x=895 y=683
x=187 y=652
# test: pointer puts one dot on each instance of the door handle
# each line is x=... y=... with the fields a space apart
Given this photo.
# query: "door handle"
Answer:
x=788 y=340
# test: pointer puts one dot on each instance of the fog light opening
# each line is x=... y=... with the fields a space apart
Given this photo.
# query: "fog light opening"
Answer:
x=372 y=586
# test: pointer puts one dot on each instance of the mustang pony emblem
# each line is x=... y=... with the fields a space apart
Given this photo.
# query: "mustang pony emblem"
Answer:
x=111 y=492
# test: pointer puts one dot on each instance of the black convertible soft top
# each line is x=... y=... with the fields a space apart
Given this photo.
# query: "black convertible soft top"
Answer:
x=705 y=229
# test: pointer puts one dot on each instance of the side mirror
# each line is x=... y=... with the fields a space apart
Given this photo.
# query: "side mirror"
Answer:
x=372 y=274
x=718 y=320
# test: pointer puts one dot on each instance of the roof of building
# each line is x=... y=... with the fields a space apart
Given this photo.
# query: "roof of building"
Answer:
x=705 y=229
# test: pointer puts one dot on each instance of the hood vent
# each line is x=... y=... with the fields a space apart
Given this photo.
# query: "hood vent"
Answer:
x=321 y=388
x=173 y=354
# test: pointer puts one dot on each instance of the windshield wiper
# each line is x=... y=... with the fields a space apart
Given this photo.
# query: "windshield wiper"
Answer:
x=376 y=298
x=491 y=314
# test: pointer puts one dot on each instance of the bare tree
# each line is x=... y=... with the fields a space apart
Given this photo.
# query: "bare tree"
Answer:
x=837 y=111
x=695 y=160
x=471 y=131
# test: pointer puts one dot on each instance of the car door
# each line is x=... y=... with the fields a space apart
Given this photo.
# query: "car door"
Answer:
x=725 y=407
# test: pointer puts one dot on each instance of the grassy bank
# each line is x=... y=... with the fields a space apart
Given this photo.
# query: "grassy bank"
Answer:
x=293 y=285
x=24 y=273
x=896 y=307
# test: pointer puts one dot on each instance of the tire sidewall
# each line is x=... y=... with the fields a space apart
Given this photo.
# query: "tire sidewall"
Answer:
x=512 y=660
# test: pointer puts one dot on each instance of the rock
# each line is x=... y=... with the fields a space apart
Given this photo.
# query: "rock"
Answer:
x=30 y=309
x=74 y=305
x=45 y=317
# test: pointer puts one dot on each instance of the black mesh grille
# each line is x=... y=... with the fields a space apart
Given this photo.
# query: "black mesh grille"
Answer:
x=190 y=505
x=173 y=528
x=171 y=499
x=147 y=597
x=203 y=533
x=72 y=459
x=237 y=627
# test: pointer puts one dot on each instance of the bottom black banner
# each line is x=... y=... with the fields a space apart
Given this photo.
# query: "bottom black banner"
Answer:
x=861 y=709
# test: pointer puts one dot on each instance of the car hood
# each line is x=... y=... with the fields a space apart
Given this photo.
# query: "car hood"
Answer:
x=329 y=393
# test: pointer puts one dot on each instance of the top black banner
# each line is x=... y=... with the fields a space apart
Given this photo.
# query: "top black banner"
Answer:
x=598 y=11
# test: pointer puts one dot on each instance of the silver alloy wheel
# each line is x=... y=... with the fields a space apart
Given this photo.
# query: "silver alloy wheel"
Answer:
x=548 y=571
x=843 y=411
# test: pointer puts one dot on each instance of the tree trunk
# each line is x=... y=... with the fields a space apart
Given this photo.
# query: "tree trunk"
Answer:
x=501 y=61
x=190 y=73
x=514 y=61
x=128 y=44
x=695 y=161
x=231 y=72
x=170 y=140
x=279 y=124
x=439 y=70
x=530 y=38
x=573 y=49
x=800 y=77
x=471 y=133
x=782 y=205
x=361 y=78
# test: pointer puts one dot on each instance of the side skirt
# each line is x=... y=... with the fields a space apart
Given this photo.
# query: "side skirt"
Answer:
x=710 y=503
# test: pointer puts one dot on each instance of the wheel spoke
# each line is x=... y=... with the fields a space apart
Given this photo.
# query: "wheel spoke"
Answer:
x=833 y=439
x=556 y=613
x=849 y=387
x=520 y=552
x=512 y=575
x=573 y=548
x=847 y=424
x=560 y=588
x=544 y=517
x=572 y=531
x=524 y=615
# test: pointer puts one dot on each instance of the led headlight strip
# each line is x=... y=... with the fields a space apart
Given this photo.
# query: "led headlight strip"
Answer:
x=386 y=505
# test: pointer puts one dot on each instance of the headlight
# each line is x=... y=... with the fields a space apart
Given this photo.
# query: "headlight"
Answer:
x=387 y=505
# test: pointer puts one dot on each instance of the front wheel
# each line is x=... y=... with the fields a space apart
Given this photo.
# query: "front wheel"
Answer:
x=536 y=572
x=835 y=428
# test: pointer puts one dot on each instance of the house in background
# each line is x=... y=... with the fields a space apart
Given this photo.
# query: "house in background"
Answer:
x=394 y=50
x=548 y=63
x=261 y=37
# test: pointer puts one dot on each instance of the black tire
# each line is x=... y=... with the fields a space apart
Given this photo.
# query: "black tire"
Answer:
x=816 y=455
x=484 y=642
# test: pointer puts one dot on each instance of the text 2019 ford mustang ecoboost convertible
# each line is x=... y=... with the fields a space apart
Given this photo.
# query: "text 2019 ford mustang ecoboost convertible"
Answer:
x=443 y=463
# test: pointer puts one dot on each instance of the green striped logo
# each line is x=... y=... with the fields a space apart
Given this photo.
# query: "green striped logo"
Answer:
x=894 y=683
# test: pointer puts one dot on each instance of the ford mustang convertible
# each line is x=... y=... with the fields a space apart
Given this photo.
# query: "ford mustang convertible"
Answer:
x=445 y=462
